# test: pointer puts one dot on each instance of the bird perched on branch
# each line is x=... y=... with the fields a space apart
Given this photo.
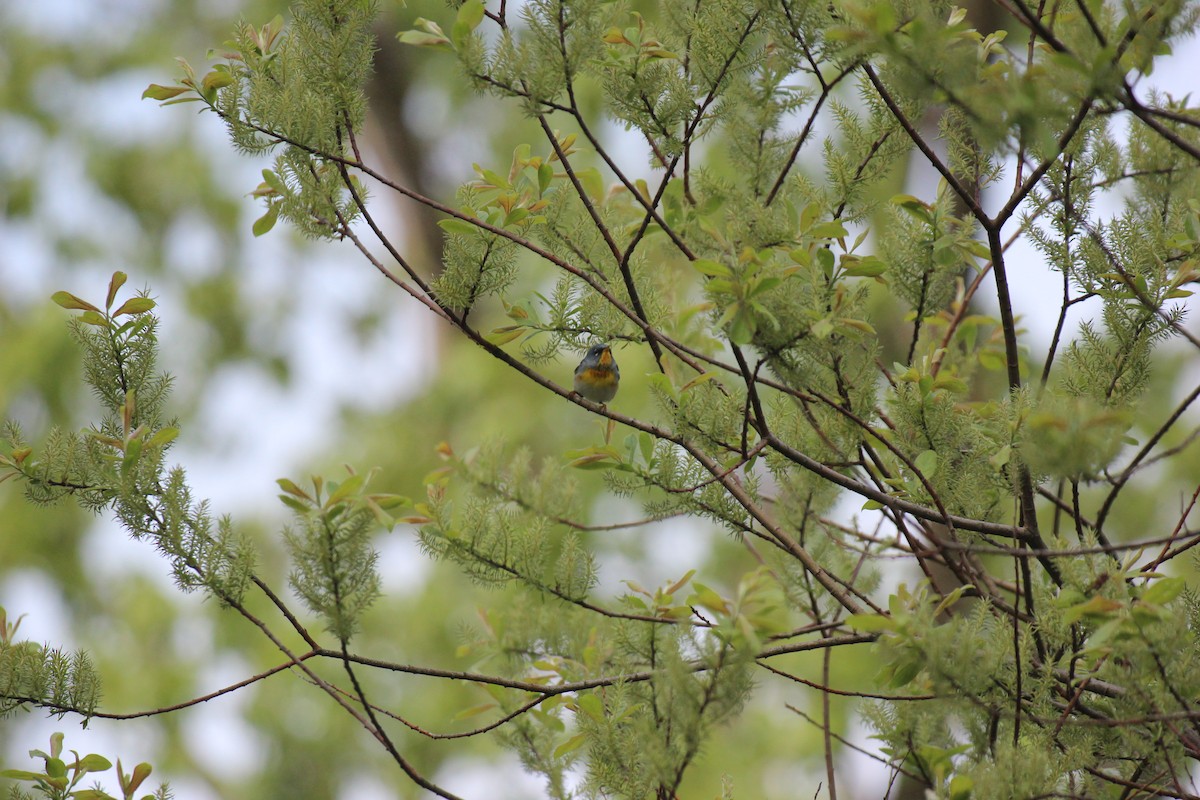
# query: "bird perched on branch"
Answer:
x=597 y=375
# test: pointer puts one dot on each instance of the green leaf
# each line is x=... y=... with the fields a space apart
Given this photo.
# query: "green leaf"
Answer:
x=423 y=39
x=346 y=488
x=634 y=602
x=270 y=178
x=163 y=437
x=289 y=486
x=765 y=285
x=976 y=248
x=68 y=300
x=871 y=623
x=94 y=763
x=951 y=383
x=926 y=463
x=763 y=311
x=115 y=283
x=834 y=229
x=713 y=269
x=294 y=504
x=91 y=794
x=1163 y=590
x=1096 y=608
x=593 y=183
x=808 y=216
x=570 y=745
x=267 y=221
x=135 y=305
x=825 y=259
x=593 y=462
x=591 y=705
x=217 y=79
x=1001 y=457
x=470 y=14
x=94 y=318
x=156 y=92
x=515 y=216
x=961 y=787
x=140 y=773
x=822 y=328
x=593 y=457
x=133 y=451
x=646 y=445
x=21 y=775
x=614 y=36
x=914 y=206
x=661 y=382
x=905 y=673
x=493 y=178
x=704 y=377
x=679 y=584
x=951 y=598
x=859 y=325
x=1116 y=628
x=658 y=52
x=866 y=267
x=545 y=176
x=706 y=597
x=384 y=519
x=458 y=227
x=505 y=334
x=743 y=327
x=992 y=360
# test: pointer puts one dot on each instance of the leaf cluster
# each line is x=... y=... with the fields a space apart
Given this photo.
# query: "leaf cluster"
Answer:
x=59 y=777
x=119 y=462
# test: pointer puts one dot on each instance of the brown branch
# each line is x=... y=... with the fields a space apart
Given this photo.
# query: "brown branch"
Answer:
x=827 y=689
x=967 y=197
x=58 y=707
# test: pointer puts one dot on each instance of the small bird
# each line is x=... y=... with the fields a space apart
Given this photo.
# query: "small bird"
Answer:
x=597 y=375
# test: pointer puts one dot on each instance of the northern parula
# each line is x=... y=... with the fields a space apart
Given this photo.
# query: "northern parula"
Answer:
x=597 y=375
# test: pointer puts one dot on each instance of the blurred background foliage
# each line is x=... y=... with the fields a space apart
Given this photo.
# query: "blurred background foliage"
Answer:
x=290 y=357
